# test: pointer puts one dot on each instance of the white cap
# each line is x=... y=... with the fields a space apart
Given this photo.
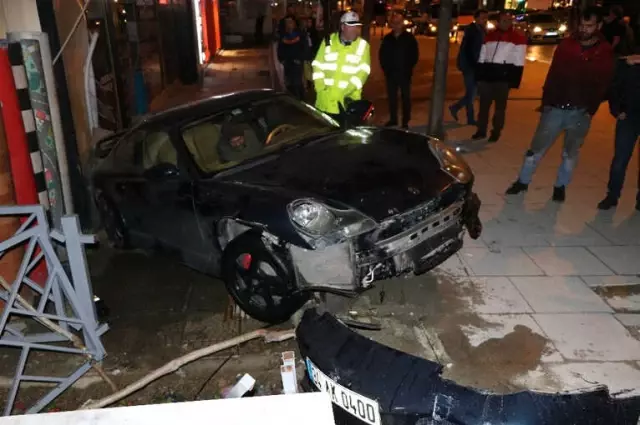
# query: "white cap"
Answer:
x=350 y=19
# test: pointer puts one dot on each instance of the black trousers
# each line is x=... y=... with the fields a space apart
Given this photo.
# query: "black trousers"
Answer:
x=293 y=74
x=402 y=83
x=494 y=92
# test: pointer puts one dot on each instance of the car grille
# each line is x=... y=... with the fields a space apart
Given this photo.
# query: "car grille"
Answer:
x=409 y=219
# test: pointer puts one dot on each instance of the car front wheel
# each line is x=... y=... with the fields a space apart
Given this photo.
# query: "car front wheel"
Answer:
x=260 y=281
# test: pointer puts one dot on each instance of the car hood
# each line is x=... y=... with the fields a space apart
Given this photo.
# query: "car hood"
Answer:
x=379 y=172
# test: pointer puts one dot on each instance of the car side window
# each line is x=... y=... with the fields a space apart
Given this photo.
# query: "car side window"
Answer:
x=156 y=149
x=221 y=141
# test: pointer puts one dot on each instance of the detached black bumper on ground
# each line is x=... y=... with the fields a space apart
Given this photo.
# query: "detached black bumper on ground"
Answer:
x=410 y=390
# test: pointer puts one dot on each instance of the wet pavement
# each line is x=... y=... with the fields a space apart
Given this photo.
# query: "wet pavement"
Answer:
x=549 y=298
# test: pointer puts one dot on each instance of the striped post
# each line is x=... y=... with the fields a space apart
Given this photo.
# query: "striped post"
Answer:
x=22 y=89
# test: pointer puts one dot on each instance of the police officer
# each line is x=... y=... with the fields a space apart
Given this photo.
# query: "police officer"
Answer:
x=341 y=67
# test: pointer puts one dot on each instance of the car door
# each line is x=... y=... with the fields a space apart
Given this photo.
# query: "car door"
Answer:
x=166 y=190
x=122 y=184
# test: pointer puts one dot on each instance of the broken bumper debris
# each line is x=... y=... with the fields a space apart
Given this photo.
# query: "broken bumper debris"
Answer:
x=370 y=383
x=413 y=242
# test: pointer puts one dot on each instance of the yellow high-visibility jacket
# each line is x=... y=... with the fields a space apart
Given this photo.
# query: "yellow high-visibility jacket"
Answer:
x=339 y=72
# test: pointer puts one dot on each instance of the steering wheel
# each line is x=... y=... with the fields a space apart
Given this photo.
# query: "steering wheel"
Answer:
x=277 y=131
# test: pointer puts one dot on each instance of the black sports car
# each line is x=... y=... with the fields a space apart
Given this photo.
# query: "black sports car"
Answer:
x=280 y=201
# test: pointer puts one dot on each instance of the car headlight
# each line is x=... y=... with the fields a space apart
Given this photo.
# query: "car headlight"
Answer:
x=317 y=219
x=451 y=162
x=406 y=22
x=562 y=28
x=432 y=27
x=491 y=26
x=537 y=29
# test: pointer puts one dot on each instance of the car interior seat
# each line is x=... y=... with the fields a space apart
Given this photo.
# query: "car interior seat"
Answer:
x=202 y=142
x=158 y=149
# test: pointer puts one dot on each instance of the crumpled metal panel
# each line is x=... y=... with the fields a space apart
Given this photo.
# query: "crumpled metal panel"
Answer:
x=411 y=390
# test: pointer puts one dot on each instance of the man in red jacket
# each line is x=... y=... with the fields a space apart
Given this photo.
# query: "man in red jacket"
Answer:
x=498 y=71
x=576 y=85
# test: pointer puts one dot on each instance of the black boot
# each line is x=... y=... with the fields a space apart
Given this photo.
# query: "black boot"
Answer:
x=559 y=193
x=517 y=187
x=608 y=203
x=479 y=135
x=495 y=136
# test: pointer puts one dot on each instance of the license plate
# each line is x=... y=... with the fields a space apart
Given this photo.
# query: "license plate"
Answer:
x=552 y=34
x=357 y=405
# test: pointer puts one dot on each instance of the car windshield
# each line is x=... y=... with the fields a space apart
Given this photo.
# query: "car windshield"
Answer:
x=541 y=19
x=252 y=131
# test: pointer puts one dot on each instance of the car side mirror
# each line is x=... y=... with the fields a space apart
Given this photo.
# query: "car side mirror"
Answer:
x=162 y=171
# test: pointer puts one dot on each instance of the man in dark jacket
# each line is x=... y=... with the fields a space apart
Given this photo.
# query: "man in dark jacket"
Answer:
x=282 y=24
x=292 y=52
x=398 y=56
x=616 y=31
x=577 y=82
x=624 y=105
x=467 y=62
x=499 y=70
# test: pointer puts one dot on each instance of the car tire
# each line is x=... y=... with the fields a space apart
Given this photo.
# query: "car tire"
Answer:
x=260 y=281
x=112 y=222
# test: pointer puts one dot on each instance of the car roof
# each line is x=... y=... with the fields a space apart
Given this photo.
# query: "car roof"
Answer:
x=203 y=107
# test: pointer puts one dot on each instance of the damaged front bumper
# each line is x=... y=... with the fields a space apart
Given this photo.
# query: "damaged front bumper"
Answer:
x=413 y=242
x=362 y=375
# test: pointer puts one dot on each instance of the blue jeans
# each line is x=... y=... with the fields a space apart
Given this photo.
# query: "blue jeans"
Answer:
x=574 y=123
x=627 y=133
x=470 y=89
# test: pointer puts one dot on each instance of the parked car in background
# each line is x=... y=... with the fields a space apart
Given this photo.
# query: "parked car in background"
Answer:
x=542 y=27
x=279 y=200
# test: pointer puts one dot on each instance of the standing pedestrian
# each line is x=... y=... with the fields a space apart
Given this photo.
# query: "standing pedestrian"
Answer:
x=468 y=57
x=290 y=13
x=614 y=30
x=341 y=67
x=398 y=56
x=624 y=105
x=577 y=82
x=499 y=70
x=292 y=52
x=259 y=30
x=313 y=43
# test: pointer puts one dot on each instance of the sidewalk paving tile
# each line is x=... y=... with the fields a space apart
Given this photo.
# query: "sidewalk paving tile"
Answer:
x=612 y=280
x=621 y=259
x=493 y=295
x=629 y=320
x=559 y=295
x=498 y=326
x=453 y=266
x=620 y=378
x=589 y=337
x=501 y=234
x=621 y=227
x=507 y=262
x=567 y=261
x=623 y=299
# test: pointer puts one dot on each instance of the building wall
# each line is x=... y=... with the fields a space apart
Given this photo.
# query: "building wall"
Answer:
x=74 y=56
x=18 y=15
